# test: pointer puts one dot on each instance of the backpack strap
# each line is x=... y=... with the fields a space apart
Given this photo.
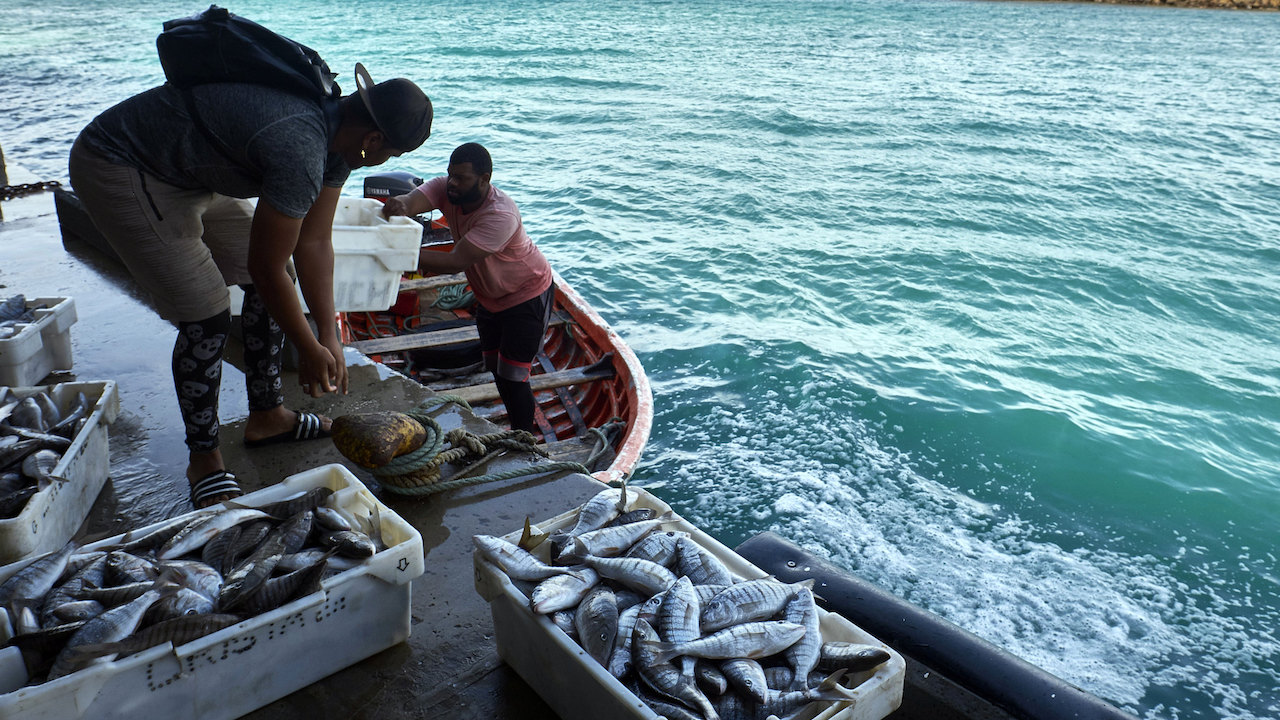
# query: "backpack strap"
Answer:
x=330 y=107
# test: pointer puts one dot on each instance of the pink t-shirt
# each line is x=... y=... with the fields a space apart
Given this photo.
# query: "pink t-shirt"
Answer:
x=515 y=270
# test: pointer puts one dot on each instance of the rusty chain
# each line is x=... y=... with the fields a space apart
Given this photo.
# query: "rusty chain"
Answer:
x=9 y=192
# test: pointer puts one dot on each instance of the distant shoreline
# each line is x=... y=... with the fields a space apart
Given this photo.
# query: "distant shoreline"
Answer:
x=1272 y=5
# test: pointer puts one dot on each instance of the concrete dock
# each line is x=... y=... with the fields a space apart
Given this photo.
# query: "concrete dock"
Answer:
x=449 y=667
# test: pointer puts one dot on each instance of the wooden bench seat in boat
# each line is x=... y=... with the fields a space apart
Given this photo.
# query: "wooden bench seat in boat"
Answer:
x=431 y=339
x=488 y=392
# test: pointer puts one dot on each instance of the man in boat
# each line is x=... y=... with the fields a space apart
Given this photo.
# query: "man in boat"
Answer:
x=170 y=197
x=511 y=279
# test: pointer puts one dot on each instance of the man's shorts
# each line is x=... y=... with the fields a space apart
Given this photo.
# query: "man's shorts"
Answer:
x=183 y=247
x=510 y=339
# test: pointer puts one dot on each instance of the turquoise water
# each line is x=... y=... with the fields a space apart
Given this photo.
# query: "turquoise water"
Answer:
x=976 y=299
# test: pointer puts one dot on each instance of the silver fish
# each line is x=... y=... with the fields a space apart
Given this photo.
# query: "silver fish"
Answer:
x=515 y=562
x=663 y=705
x=597 y=623
x=349 y=543
x=48 y=409
x=620 y=659
x=747 y=602
x=195 y=575
x=114 y=624
x=747 y=676
x=600 y=509
x=117 y=594
x=612 y=541
x=678 y=620
x=290 y=507
x=710 y=677
x=184 y=601
x=706 y=592
x=781 y=703
x=594 y=514
x=633 y=516
x=804 y=654
x=702 y=567
x=563 y=591
x=31 y=583
x=153 y=537
x=77 y=610
x=39 y=466
x=44 y=440
x=90 y=575
x=14 y=452
x=28 y=414
x=309 y=557
x=653 y=667
x=124 y=567
x=659 y=547
x=214 y=553
x=854 y=657
x=251 y=536
x=646 y=577
x=280 y=590
x=70 y=422
x=564 y=619
x=203 y=529
x=178 y=631
x=331 y=519
x=753 y=640
x=287 y=538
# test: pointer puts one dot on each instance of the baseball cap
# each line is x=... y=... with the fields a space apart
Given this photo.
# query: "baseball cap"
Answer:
x=398 y=107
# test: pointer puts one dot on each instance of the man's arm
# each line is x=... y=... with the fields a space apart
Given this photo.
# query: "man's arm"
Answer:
x=273 y=238
x=314 y=259
x=410 y=203
x=463 y=255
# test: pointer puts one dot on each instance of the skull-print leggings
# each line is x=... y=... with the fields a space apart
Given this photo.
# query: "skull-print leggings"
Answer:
x=197 y=367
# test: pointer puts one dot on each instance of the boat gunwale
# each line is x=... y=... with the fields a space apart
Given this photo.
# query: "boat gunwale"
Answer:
x=630 y=371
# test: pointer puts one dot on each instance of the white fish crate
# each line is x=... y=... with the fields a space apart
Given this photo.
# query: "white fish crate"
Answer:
x=41 y=346
x=576 y=686
x=232 y=672
x=54 y=514
x=370 y=254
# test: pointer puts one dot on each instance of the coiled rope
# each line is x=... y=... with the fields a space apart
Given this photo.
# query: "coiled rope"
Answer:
x=453 y=297
x=417 y=473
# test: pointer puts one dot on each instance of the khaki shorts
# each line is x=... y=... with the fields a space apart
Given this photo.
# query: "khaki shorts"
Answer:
x=183 y=247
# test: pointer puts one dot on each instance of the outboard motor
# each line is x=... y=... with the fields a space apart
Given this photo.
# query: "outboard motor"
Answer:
x=384 y=185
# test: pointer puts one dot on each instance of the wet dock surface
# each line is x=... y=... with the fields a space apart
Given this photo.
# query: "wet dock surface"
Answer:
x=449 y=667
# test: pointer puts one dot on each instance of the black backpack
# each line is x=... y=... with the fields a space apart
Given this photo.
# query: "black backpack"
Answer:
x=218 y=46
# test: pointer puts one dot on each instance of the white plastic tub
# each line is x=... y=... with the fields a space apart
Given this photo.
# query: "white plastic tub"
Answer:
x=241 y=668
x=41 y=346
x=577 y=687
x=54 y=514
x=370 y=253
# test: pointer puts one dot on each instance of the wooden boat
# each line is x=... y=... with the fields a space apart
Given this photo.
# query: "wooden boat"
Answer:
x=594 y=405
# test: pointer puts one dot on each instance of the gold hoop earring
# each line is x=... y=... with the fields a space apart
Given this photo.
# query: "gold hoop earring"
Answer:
x=362 y=155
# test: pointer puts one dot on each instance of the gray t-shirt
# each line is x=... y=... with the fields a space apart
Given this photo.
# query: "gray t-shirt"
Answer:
x=278 y=141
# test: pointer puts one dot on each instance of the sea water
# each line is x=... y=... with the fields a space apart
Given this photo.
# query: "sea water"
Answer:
x=976 y=299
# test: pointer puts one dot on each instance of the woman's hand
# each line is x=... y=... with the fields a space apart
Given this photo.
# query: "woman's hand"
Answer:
x=319 y=372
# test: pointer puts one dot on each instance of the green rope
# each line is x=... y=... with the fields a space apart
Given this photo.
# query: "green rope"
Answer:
x=605 y=435
x=453 y=297
x=417 y=472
